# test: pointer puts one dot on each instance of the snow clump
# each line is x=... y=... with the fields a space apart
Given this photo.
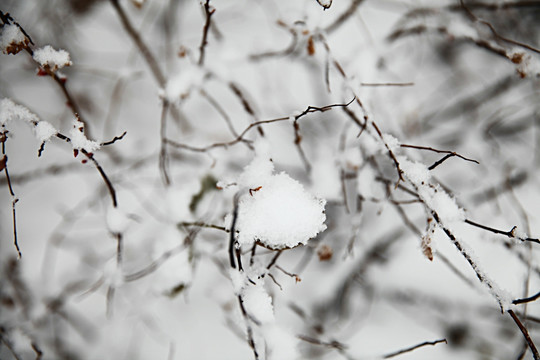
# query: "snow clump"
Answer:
x=10 y=111
x=12 y=39
x=44 y=131
x=51 y=58
x=79 y=140
x=276 y=210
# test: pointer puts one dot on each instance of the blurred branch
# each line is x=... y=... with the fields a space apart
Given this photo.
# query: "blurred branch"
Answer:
x=493 y=31
x=342 y=19
x=387 y=84
x=135 y=36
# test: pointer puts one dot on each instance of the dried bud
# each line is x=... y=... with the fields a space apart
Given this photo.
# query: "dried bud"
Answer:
x=325 y=253
x=311 y=46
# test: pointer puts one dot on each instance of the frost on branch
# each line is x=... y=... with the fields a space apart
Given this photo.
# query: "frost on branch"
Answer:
x=280 y=344
x=12 y=39
x=44 y=131
x=276 y=209
x=258 y=304
x=51 y=58
x=79 y=140
x=433 y=196
x=9 y=111
x=117 y=220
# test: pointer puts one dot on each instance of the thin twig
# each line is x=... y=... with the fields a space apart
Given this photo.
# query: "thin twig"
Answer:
x=526 y=335
x=412 y=348
x=115 y=139
x=14 y=200
x=232 y=240
x=163 y=158
x=208 y=11
x=143 y=48
x=342 y=19
x=387 y=84
x=309 y=109
x=448 y=152
x=323 y=5
x=527 y=300
x=274 y=259
x=331 y=344
x=494 y=32
x=511 y=233
x=204 y=225
x=390 y=153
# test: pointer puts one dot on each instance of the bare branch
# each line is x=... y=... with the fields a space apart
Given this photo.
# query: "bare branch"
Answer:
x=526 y=335
x=342 y=19
x=527 y=300
x=208 y=12
x=511 y=233
x=437 y=163
x=115 y=139
x=309 y=109
x=412 y=348
x=143 y=48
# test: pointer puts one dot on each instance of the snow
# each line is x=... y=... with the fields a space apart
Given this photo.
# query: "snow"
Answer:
x=238 y=279
x=112 y=273
x=258 y=303
x=51 y=58
x=325 y=175
x=461 y=29
x=178 y=199
x=391 y=142
x=117 y=220
x=12 y=39
x=416 y=172
x=10 y=111
x=44 y=131
x=276 y=209
x=79 y=140
x=177 y=269
x=181 y=84
x=280 y=343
